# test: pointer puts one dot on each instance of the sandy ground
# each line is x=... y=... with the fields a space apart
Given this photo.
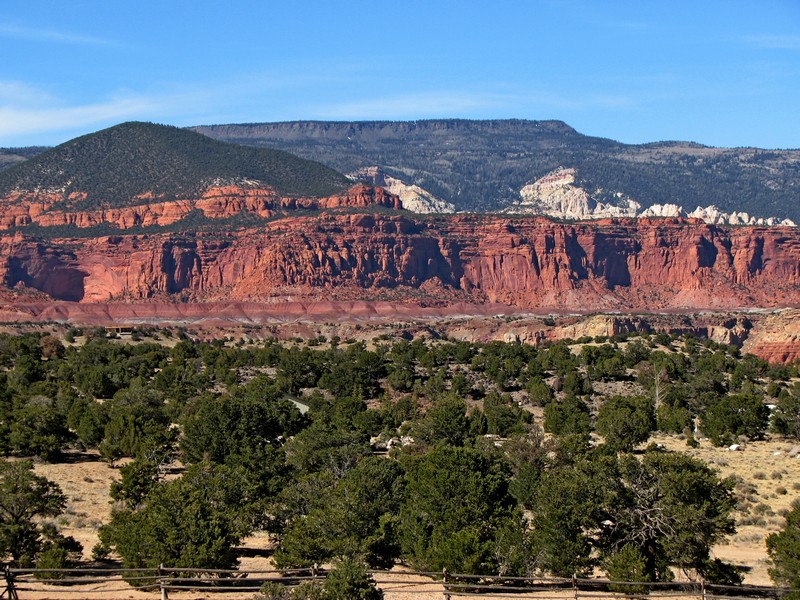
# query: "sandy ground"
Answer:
x=396 y=586
x=85 y=480
x=768 y=482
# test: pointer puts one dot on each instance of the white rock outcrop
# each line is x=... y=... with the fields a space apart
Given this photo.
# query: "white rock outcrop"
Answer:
x=712 y=214
x=412 y=197
x=556 y=195
x=663 y=210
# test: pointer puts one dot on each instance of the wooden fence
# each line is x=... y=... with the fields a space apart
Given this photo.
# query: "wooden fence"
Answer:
x=110 y=582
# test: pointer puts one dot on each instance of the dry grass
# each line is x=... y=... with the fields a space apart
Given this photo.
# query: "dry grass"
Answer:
x=768 y=482
x=85 y=480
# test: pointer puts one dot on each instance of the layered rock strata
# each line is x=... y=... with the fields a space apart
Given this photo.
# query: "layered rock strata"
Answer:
x=49 y=209
x=645 y=264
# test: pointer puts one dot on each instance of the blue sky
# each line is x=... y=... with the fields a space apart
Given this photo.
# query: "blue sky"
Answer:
x=718 y=72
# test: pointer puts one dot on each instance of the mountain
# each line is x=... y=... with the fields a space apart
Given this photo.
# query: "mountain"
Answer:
x=484 y=165
x=146 y=223
x=142 y=211
x=412 y=197
x=134 y=163
x=141 y=177
x=11 y=156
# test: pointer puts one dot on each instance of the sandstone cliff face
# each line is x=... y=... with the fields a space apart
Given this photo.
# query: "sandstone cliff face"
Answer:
x=412 y=197
x=556 y=195
x=777 y=337
x=527 y=263
x=218 y=202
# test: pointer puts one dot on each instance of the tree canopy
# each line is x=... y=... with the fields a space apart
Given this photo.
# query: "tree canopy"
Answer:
x=783 y=548
x=24 y=498
x=445 y=465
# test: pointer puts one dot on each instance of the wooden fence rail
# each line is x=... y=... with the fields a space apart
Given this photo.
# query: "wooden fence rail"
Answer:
x=100 y=583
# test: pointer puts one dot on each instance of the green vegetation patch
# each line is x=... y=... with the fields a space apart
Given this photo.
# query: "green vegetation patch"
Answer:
x=429 y=452
x=115 y=167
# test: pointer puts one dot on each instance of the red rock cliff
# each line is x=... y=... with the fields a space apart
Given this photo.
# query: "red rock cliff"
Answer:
x=48 y=210
x=526 y=262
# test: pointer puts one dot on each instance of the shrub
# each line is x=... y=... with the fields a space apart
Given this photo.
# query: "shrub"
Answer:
x=673 y=418
x=58 y=552
x=100 y=552
x=721 y=573
x=309 y=590
x=30 y=498
x=567 y=417
x=728 y=417
x=628 y=564
x=349 y=580
x=783 y=548
x=272 y=590
x=625 y=422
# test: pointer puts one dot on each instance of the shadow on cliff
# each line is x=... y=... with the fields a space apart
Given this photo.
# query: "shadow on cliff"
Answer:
x=48 y=275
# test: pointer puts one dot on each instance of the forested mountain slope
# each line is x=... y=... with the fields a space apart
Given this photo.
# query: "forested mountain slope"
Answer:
x=134 y=163
x=482 y=165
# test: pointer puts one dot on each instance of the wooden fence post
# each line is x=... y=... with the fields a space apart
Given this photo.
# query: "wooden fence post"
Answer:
x=703 y=589
x=575 y=584
x=11 y=590
x=444 y=582
x=164 y=590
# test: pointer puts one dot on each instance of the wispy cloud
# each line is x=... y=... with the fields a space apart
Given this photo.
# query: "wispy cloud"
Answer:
x=33 y=115
x=27 y=112
x=22 y=94
x=37 y=115
x=17 y=121
x=407 y=105
x=455 y=103
x=778 y=42
x=33 y=34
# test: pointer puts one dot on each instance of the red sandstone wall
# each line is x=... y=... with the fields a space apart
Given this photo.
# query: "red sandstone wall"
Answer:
x=627 y=264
